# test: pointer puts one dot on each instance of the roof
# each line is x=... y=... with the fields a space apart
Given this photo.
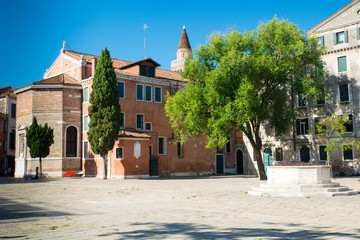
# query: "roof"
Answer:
x=184 y=40
x=141 y=61
x=118 y=64
x=7 y=92
x=131 y=133
x=312 y=30
x=59 y=79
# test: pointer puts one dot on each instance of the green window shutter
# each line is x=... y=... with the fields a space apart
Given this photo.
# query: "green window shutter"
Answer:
x=342 y=64
x=346 y=36
x=158 y=94
x=148 y=95
x=86 y=123
x=86 y=94
x=121 y=90
x=298 y=127
x=322 y=41
x=358 y=33
x=335 y=39
x=139 y=92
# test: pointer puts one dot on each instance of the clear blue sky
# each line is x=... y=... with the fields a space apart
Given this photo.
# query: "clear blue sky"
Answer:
x=32 y=31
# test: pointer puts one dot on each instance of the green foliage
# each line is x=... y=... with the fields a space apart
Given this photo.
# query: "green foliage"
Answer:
x=242 y=80
x=39 y=139
x=104 y=111
x=331 y=132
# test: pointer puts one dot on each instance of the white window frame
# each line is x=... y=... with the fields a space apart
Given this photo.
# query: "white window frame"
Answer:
x=143 y=124
x=87 y=123
x=143 y=95
x=308 y=121
x=342 y=152
x=158 y=143
x=88 y=95
x=155 y=94
x=150 y=126
x=337 y=65
x=83 y=149
x=77 y=141
x=124 y=89
x=151 y=89
x=121 y=158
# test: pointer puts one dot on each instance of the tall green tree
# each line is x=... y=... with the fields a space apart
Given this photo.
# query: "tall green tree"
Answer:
x=39 y=139
x=241 y=81
x=104 y=111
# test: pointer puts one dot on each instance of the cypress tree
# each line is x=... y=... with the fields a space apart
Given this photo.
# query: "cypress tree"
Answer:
x=39 y=139
x=104 y=111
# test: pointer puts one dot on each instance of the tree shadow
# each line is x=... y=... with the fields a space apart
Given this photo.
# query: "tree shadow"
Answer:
x=197 y=231
x=11 y=180
x=14 y=210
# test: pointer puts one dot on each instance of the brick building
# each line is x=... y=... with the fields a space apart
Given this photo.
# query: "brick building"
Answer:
x=146 y=145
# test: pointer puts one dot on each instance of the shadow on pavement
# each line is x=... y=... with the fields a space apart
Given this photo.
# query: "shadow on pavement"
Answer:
x=12 y=180
x=14 y=210
x=196 y=231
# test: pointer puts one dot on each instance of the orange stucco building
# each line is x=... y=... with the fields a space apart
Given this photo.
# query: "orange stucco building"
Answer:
x=146 y=145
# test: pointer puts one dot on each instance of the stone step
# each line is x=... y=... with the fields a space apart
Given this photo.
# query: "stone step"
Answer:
x=299 y=186
x=337 y=189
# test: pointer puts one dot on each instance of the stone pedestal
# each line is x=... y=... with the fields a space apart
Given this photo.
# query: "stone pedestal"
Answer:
x=300 y=181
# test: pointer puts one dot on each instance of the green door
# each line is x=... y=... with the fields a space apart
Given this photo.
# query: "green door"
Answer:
x=268 y=158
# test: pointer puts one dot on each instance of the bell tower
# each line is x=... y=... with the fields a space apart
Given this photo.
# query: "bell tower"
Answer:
x=184 y=50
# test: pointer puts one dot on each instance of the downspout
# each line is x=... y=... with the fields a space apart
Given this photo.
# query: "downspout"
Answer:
x=294 y=121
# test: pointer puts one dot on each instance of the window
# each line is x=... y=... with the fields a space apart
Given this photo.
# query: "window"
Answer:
x=344 y=93
x=119 y=153
x=13 y=110
x=12 y=139
x=140 y=121
x=318 y=126
x=147 y=71
x=322 y=153
x=342 y=66
x=148 y=93
x=4 y=125
x=279 y=154
x=122 y=120
x=162 y=145
x=86 y=149
x=86 y=123
x=148 y=126
x=228 y=145
x=301 y=100
x=121 y=89
x=140 y=92
x=321 y=41
x=348 y=153
x=341 y=37
x=71 y=141
x=4 y=145
x=86 y=94
x=349 y=126
x=321 y=99
x=158 y=97
x=180 y=149
x=302 y=126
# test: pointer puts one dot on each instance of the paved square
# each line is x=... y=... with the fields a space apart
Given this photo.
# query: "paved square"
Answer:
x=176 y=208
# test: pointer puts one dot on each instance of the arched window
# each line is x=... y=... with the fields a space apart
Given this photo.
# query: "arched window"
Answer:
x=71 y=142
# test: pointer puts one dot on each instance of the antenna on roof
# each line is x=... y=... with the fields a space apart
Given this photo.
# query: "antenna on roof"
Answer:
x=145 y=27
x=64 y=45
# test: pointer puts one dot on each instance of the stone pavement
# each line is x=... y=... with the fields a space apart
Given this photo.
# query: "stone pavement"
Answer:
x=174 y=208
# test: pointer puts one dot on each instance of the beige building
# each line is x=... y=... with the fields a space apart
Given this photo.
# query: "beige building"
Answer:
x=340 y=34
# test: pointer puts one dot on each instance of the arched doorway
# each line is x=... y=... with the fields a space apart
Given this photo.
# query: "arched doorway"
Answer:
x=239 y=162
x=305 y=154
x=268 y=158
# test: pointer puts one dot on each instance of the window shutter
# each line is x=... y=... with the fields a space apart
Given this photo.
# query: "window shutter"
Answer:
x=307 y=126
x=335 y=40
x=358 y=33
x=298 y=126
x=322 y=40
x=346 y=36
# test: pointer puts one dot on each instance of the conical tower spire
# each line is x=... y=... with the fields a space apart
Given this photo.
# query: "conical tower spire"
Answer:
x=184 y=50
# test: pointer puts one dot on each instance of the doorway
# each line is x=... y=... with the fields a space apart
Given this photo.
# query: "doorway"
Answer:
x=268 y=158
x=239 y=162
x=305 y=154
x=220 y=164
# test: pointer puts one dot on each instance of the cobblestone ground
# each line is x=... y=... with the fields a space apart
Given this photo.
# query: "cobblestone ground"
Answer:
x=182 y=208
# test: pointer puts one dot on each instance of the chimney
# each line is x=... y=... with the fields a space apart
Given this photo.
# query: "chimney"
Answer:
x=94 y=62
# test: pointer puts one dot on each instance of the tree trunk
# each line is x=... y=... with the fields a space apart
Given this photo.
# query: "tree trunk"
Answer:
x=260 y=164
x=104 y=166
x=40 y=167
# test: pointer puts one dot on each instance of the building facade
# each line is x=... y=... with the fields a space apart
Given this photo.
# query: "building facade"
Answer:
x=340 y=35
x=146 y=145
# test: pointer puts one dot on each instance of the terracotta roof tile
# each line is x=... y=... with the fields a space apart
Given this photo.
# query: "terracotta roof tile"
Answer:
x=184 y=40
x=59 y=79
x=7 y=92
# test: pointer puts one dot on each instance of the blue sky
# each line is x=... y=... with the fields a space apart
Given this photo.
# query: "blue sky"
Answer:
x=32 y=31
